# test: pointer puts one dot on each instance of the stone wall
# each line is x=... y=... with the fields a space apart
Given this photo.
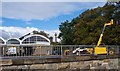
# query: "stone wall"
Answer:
x=93 y=64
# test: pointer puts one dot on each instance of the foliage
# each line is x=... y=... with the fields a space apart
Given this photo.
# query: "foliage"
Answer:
x=41 y=33
x=55 y=43
x=87 y=27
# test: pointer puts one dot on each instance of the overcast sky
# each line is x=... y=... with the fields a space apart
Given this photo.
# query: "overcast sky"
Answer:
x=19 y=18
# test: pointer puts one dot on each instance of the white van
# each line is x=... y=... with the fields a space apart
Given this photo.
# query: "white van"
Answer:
x=11 y=51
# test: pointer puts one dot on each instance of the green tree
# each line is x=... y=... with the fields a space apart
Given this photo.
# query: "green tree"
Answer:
x=87 y=27
x=41 y=33
x=66 y=34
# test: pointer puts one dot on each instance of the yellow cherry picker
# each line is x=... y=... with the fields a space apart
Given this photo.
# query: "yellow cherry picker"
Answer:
x=103 y=50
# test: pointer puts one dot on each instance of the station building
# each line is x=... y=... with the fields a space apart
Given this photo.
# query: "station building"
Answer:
x=30 y=44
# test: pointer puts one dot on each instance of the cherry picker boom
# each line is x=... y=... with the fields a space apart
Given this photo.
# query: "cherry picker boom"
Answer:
x=98 y=49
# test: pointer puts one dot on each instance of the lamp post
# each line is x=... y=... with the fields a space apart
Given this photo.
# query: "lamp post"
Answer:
x=55 y=37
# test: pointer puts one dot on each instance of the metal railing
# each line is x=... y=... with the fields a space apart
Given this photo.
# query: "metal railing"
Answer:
x=46 y=51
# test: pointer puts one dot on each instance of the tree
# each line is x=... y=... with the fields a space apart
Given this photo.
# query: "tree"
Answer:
x=87 y=27
x=41 y=33
x=66 y=33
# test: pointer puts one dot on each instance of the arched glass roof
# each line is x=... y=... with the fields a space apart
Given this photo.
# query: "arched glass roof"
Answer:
x=36 y=39
x=13 y=41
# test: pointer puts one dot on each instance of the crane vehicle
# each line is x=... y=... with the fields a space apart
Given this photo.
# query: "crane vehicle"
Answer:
x=97 y=50
x=102 y=50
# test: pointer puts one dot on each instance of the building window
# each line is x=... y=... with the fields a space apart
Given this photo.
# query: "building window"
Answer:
x=12 y=41
x=34 y=39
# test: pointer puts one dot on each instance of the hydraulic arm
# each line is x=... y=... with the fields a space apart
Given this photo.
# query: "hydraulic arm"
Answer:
x=100 y=39
x=98 y=49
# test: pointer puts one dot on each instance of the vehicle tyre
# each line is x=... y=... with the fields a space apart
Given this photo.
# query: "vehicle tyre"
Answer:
x=111 y=52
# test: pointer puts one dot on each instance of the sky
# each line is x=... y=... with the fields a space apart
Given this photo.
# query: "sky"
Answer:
x=20 y=18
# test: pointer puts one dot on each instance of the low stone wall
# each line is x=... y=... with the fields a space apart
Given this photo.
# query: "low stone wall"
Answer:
x=93 y=64
x=6 y=62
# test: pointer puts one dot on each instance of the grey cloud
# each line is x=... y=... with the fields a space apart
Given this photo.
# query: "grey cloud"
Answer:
x=4 y=34
x=42 y=10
